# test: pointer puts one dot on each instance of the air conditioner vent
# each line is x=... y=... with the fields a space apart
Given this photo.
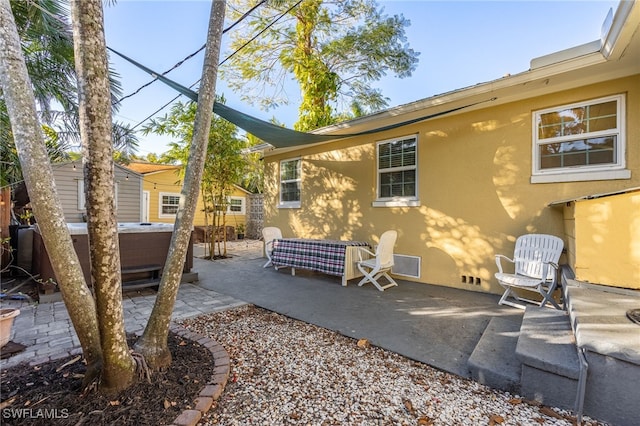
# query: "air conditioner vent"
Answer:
x=408 y=266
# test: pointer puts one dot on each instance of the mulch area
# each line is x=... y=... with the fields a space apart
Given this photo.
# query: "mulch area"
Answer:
x=50 y=394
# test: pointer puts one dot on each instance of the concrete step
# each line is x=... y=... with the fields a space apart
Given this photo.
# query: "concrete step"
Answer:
x=547 y=350
x=611 y=345
x=493 y=362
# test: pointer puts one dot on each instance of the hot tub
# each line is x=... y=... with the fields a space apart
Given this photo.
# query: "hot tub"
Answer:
x=143 y=251
x=124 y=228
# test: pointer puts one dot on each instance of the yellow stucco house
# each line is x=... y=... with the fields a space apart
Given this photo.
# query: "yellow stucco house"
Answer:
x=461 y=175
x=161 y=192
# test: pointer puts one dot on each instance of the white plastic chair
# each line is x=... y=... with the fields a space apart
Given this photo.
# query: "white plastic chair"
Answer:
x=269 y=234
x=380 y=264
x=536 y=259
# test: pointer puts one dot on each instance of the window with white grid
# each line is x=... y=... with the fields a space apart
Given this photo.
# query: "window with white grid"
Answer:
x=586 y=137
x=168 y=204
x=290 y=182
x=398 y=169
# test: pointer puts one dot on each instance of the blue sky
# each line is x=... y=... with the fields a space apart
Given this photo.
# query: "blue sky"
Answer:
x=462 y=43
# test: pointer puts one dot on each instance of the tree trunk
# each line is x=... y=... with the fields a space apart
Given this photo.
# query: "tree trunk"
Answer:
x=207 y=239
x=38 y=176
x=95 y=130
x=5 y=220
x=153 y=343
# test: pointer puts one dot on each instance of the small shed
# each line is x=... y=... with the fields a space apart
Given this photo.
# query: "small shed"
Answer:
x=603 y=237
x=69 y=180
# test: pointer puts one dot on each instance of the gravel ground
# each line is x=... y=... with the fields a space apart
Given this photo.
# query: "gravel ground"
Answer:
x=287 y=372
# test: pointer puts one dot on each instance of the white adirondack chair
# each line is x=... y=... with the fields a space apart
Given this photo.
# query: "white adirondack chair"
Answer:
x=269 y=234
x=380 y=264
x=536 y=259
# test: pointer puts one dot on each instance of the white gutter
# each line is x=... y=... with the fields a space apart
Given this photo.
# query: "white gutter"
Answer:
x=612 y=29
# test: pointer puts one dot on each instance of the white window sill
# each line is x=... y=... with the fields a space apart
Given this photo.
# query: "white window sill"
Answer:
x=289 y=205
x=396 y=203
x=582 y=176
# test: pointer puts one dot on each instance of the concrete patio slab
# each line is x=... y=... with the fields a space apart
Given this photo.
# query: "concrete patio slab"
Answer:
x=436 y=325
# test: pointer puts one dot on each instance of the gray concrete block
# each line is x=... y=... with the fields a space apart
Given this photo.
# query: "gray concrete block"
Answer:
x=612 y=393
x=600 y=321
x=546 y=342
x=493 y=361
x=548 y=388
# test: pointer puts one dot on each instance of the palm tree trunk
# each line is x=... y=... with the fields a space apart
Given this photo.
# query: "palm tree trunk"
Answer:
x=95 y=130
x=38 y=176
x=153 y=343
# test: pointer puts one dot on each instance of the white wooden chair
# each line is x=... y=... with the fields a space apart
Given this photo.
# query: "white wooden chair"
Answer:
x=269 y=234
x=380 y=264
x=536 y=259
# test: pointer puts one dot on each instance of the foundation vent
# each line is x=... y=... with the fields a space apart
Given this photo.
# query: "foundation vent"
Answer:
x=408 y=266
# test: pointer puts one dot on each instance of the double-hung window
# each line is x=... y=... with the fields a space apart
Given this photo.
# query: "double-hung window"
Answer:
x=397 y=172
x=232 y=205
x=290 y=182
x=168 y=205
x=581 y=141
x=236 y=205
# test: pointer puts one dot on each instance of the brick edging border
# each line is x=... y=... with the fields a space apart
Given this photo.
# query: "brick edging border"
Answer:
x=214 y=386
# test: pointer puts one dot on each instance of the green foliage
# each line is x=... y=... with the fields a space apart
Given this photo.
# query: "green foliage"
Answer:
x=225 y=164
x=48 y=49
x=253 y=179
x=240 y=228
x=335 y=50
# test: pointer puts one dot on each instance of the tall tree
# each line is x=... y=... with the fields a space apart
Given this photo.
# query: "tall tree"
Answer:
x=47 y=46
x=32 y=153
x=225 y=167
x=334 y=49
x=224 y=162
x=95 y=130
x=21 y=106
x=153 y=342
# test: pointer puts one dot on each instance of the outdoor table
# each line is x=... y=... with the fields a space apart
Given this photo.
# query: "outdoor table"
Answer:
x=332 y=257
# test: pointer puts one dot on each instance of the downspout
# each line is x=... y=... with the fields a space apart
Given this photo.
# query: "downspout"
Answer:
x=566 y=274
x=582 y=385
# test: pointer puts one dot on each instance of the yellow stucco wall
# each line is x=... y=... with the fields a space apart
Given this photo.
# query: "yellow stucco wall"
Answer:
x=608 y=240
x=569 y=215
x=169 y=182
x=475 y=193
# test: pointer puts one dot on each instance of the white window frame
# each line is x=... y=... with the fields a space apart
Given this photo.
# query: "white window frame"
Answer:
x=162 y=215
x=81 y=196
x=406 y=201
x=242 y=205
x=296 y=203
x=228 y=204
x=583 y=172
